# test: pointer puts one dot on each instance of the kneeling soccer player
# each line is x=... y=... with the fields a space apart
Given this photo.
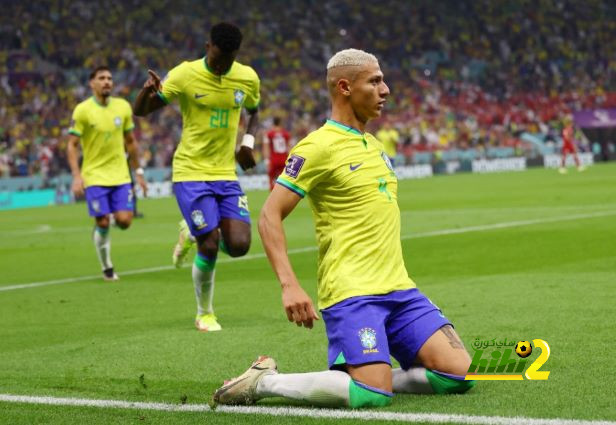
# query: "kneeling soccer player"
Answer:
x=371 y=307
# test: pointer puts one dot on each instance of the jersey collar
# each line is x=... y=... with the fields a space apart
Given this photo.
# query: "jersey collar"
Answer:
x=344 y=127
x=100 y=104
x=211 y=71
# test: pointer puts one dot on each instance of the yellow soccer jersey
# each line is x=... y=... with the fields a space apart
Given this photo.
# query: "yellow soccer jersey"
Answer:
x=352 y=191
x=101 y=129
x=211 y=107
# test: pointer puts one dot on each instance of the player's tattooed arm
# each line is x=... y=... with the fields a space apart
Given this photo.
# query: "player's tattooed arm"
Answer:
x=452 y=337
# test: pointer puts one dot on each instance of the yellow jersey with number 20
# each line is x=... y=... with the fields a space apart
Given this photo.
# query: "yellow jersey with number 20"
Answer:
x=211 y=107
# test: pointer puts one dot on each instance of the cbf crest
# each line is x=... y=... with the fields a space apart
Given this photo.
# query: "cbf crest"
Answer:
x=117 y=121
x=367 y=337
x=198 y=220
x=239 y=96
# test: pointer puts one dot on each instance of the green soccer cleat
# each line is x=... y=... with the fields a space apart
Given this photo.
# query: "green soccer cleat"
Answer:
x=182 y=248
x=242 y=390
x=207 y=323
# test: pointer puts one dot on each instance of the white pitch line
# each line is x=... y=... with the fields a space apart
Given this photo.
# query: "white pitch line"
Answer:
x=443 y=232
x=364 y=415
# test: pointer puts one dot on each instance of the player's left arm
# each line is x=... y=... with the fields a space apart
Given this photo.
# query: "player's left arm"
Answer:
x=244 y=155
x=132 y=148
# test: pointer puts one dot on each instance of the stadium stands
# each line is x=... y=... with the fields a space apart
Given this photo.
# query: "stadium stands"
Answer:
x=467 y=77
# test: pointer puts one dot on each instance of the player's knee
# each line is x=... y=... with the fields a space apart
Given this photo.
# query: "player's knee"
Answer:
x=453 y=364
x=209 y=249
x=444 y=383
x=238 y=246
x=361 y=395
x=123 y=223
x=103 y=222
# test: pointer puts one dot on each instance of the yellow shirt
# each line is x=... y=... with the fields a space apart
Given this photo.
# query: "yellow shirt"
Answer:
x=101 y=129
x=211 y=107
x=390 y=140
x=352 y=191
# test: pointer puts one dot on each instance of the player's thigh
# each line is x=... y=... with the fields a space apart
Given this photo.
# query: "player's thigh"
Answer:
x=445 y=352
x=198 y=205
x=234 y=217
x=414 y=320
x=236 y=235
x=98 y=199
x=357 y=340
x=233 y=203
x=121 y=204
x=377 y=375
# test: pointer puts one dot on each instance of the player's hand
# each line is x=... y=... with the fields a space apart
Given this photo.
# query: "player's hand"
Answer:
x=153 y=82
x=142 y=184
x=298 y=306
x=77 y=186
x=245 y=158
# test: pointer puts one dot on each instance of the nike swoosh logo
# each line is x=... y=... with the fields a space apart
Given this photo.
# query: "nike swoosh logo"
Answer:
x=355 y=167
x=199 y=96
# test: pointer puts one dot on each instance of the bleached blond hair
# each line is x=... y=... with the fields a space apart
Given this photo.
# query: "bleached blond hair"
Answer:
x=351 y=57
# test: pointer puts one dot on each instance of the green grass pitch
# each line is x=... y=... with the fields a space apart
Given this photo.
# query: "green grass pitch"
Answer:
x=517 y=255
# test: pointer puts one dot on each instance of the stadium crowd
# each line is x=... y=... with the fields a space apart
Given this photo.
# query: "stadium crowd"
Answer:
x=463 y=74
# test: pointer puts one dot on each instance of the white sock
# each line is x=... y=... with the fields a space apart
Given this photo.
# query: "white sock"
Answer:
x=102 y=243
x=412 y=381
x=328 y=389
x=203 y=279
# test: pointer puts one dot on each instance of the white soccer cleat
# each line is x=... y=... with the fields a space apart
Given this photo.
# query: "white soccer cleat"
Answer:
x=242 y=390
x=182 y=248
x=207 y=323
x=581 y=168
x=562 y=170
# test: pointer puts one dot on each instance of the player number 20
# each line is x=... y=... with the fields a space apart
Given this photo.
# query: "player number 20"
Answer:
x=219 y=118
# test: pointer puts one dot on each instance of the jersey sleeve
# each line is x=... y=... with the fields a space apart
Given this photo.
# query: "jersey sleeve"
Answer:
x=129 y=124
x=306 y=166
x=254 y=96
x=172 y=84
x=78 y=122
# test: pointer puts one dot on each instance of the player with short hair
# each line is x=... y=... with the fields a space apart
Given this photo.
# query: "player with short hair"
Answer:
x=211 y=92
x=103 y=124
x=371 y=307
x=569 y=146
x=276 y=145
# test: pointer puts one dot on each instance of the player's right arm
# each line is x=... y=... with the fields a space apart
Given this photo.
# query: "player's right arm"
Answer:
x=79 y=124
x=148 y=100
x=296 y=302
x=72 y=153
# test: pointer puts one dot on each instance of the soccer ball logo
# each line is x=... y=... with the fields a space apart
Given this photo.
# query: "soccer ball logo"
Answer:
x=523 y=349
